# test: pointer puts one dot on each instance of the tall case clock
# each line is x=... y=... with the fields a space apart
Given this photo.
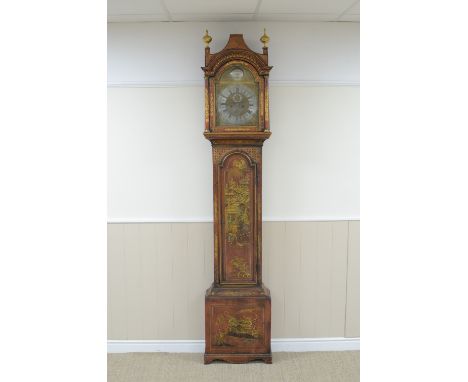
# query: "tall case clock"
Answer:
x=237 y=305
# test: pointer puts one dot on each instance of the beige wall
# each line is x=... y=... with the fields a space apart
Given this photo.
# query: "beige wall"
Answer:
x=156 y=152
x=158 y=273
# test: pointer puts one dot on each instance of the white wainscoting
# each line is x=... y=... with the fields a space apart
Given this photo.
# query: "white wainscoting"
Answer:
x=158 y=274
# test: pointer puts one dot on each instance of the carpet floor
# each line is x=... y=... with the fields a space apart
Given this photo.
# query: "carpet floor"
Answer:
x=286 y=367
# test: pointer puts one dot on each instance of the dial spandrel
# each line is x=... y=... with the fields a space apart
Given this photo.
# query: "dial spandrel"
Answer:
x=236 y=98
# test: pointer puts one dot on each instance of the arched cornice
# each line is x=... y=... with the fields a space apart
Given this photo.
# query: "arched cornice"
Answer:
x=242 y=55
x=236 y=49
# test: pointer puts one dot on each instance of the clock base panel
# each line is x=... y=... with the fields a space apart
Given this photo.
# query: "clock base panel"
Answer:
x=238 y=324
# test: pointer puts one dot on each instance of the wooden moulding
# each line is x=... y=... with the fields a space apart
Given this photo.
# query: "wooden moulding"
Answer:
x=249 y=138
x=237 y=358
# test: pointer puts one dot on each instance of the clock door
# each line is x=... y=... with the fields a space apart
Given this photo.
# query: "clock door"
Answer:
x=237 y=178
x=237 y=101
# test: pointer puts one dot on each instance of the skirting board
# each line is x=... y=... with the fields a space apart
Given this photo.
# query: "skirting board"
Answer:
x=210 y=220
x=198 y=346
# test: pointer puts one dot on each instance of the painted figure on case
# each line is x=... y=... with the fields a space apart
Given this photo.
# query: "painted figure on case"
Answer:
x=242 y=326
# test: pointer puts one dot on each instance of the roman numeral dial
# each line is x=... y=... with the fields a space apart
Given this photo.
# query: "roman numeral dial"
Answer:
x=237 y=105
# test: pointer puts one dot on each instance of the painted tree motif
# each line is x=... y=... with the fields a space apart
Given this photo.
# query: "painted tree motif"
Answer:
x=237 y=203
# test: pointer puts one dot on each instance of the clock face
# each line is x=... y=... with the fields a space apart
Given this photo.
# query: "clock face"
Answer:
x=237 y=99
x=237 y=105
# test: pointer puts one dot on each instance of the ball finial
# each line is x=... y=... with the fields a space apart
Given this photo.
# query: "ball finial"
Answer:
x=207 y=38
x=265 y=38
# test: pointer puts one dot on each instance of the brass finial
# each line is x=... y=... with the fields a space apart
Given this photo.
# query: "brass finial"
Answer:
x=265 y=38
x=207 y=38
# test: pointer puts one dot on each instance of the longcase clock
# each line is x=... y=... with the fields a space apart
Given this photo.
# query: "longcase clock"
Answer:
x=237 y=305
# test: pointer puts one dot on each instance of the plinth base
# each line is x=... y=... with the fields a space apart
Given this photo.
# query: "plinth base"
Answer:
x=238 y=358
x=238 y=324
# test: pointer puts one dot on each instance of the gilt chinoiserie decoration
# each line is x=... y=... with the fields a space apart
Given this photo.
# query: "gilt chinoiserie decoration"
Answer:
x=237 y=305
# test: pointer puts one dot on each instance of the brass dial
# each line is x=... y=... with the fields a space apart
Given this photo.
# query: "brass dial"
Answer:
x=237 y=105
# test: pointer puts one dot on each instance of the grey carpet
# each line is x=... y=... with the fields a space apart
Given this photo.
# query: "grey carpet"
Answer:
x=175 y=367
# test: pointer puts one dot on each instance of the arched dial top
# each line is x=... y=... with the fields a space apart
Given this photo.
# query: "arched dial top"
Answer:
x=236 y=97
